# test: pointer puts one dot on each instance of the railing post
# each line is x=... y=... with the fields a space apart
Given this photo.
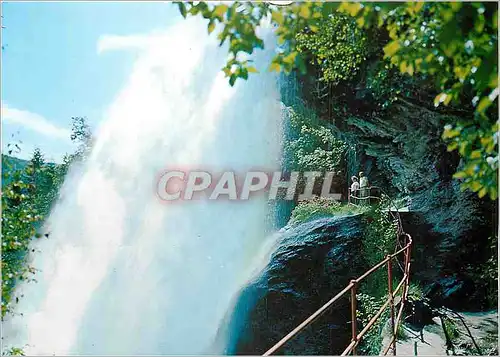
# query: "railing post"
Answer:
x=407 y=269
x=354 y=327
x=406 y=257
x=391 y=302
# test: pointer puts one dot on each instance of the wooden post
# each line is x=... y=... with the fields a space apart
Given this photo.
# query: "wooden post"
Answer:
x=354 y=327
x=391 y=302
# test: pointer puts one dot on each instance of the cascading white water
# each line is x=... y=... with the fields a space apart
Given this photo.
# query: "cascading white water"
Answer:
x=123 y=273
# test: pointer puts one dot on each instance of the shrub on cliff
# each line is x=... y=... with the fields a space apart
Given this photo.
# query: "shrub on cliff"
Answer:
x=310 y=146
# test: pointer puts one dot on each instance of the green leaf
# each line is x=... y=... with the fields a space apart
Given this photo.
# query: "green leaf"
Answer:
x=455 y=5
x=277 y=17
x=450 y=133
x=484 y=103
x=452 y=146
x=244 y=74
x=475 y=186
x=351 y=8
x=493 y=83
x=220 y=10
x=391 y=48
x=460 y=175
x=314 y=28
x=290 y=58
x=493 y=193
x=211 y=27
x=402 y=67
x=476 y=154
x=182 y=9
x=252 y=69
x=418 y=6
x=305 y=12
x=410 y=69
x=274 y=67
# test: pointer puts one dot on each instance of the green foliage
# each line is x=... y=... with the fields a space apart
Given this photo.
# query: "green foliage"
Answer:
x=338 y=49
x=82 y=135
x=368 y=306
x=311 y=146
x=14 y=351
x=379 y=240
x=415 y=292
x=491 y=266
x=239 y=22
x=41 y=177
x=451 y=328
x=486 y=274
x=453 y=43
x=387 y=85
x=19 y=217
x=478 y=143
x=28 y=193
x=321 y=207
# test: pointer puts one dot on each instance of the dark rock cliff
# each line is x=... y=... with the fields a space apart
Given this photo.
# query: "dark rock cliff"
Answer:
x=313 y=262
x=450 y=230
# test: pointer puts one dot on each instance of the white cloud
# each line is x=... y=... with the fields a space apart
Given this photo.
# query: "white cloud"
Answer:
x=117 y=42
x=34 y=122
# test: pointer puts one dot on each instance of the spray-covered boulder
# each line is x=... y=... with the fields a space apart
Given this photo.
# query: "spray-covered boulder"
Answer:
x=312 y=262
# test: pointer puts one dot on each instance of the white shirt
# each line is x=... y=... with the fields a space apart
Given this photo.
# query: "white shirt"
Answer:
x=363 y=182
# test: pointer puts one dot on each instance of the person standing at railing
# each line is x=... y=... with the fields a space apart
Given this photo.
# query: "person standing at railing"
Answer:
x=364 y=189
x=354 y=192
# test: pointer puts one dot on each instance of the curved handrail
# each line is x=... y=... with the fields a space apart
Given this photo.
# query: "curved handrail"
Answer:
x=352 y=287
x=350 y=196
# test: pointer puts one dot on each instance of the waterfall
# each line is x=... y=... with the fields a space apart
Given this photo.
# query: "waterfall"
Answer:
x=124 y=273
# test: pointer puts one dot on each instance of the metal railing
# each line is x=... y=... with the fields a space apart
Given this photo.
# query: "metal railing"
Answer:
x=391 y=302
x=357 y=196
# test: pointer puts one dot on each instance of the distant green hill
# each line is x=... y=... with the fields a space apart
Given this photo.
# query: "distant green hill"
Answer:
x=10 y=163
x=13 y=163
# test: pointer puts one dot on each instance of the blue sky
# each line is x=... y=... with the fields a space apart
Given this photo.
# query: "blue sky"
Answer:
x=52 y=69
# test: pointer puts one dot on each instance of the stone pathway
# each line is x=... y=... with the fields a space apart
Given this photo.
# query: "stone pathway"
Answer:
x=431 y=341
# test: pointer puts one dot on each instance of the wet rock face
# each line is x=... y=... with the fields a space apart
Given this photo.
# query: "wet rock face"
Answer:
x=312 y=263
x=450 y=230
